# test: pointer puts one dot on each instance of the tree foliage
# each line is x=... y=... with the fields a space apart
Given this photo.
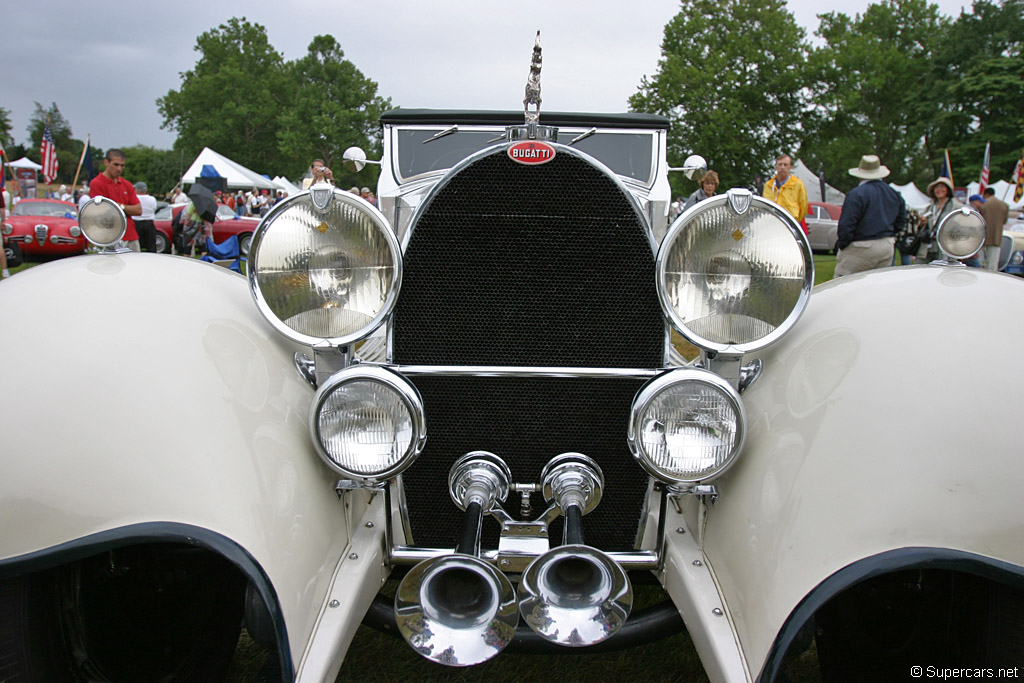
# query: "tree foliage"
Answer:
x=334 y=106
x=69 y=149
x=978 y=88
x=870 y=83
x=731 y=80
x=5 y=128
x=231 y=100
x=160 y=169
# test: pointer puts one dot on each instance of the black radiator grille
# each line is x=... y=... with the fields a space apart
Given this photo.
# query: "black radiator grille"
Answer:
x=526 y=421
x=512 y=265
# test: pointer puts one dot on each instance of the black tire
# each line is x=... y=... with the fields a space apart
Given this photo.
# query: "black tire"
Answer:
x=881 y=628
x=14 y=255
x=163 y=245
x=244 y=242
x=146 y=613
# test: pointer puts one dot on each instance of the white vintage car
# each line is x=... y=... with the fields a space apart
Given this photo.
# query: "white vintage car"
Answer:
x=475 y=389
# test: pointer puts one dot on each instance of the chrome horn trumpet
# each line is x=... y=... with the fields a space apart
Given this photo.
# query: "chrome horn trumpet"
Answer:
x=458 y=610
x=574 y=595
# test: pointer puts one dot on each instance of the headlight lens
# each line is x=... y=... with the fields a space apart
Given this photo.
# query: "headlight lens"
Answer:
x=7 y=228
x=75 y=231
x=961 y=233
x=1017 y=258
x=367 y=423
x=325 y=274
x=102 y=221
x=735 y=272
x=687 y=426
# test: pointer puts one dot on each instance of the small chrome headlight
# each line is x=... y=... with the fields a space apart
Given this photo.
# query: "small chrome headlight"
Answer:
x=7 y=228
x=961 y=233
x=734 y=272
x=75 y=231
x=102 y=221
x=687 y=426
x=367 y=423
x=325 y=266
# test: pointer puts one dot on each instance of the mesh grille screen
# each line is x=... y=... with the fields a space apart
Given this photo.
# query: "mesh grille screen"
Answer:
x=532 y=266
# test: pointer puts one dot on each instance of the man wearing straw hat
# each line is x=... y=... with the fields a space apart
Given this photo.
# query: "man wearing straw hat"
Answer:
x=872 y=213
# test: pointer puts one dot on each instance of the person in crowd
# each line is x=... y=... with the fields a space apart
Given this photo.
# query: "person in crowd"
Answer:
x=179 y=196
x=995 y=212
x=708 y=185
x=144 y=223
x=319 y=174
x=354 y=190
x=113 y=186
x=943 y=204
x=4 y=198
x=65 y=196
x=239 y=203
x=872 y=214
x=786 y=190
x=365 y=194
x=83 y=196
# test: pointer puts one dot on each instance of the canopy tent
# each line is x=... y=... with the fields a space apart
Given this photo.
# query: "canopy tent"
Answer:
x=287 y=185
x=813 y=185
x=25 y=162
x=1004 y=191
x=915 y=199
x=236 y=176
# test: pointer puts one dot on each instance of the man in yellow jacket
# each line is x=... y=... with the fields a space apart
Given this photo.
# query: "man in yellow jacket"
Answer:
x=786 y=189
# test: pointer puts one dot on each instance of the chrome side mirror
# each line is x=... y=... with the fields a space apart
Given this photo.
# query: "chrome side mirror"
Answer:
x=693 y=168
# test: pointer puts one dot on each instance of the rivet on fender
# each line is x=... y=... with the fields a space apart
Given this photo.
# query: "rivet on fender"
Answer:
x=531 y=152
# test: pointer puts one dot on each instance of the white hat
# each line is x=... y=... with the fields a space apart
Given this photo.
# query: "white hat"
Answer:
x=870 y=168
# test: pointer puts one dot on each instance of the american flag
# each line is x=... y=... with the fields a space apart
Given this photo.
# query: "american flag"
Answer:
x=983 y=183
x=48 y=149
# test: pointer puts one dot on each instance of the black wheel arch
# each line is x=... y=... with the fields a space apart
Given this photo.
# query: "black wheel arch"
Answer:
x=173 y=535
x=877 y=566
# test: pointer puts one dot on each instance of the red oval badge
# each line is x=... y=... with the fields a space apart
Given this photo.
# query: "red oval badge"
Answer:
x=531 y=152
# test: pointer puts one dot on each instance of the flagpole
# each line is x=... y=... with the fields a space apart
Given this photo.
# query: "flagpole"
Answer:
x=81 y=158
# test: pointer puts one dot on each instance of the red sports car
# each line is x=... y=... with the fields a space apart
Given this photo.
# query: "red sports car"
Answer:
x=45 y=227
x=224 y=227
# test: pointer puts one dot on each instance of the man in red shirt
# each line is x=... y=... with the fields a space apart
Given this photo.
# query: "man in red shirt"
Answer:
x=111 y=185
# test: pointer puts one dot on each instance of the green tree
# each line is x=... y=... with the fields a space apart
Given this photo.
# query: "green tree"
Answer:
x=334 y=107
x=978 y=88
x=69 y=149
x=5 y=128
x=871 y=89
x=731 y=80
x=231 y=101
x=160 y=169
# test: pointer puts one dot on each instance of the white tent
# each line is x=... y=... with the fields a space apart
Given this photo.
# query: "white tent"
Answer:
x=915 y=199
x=286 y=185
x=238 y=176
x=813 y=185
x=25 y=162
x=1004 y=191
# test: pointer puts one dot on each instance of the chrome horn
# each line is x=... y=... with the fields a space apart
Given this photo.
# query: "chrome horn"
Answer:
x=458 y=610
x=574 y=595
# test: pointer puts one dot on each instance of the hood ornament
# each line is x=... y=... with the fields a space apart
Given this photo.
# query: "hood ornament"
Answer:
x=533 y=85
x=532 y=130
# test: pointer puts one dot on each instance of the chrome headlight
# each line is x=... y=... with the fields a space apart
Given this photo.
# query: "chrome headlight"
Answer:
x=686 y=426
x=102 y=221
x=325 y=266
x=734 y=272
x=367 y=423
x=961 y=233
x=7 y=228
x=75 y=231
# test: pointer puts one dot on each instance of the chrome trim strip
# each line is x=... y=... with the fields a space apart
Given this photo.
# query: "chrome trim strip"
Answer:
x=409 y=555
x=512 y=371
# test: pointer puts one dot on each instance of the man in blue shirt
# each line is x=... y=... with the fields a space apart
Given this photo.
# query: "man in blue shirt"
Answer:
x=872 y=214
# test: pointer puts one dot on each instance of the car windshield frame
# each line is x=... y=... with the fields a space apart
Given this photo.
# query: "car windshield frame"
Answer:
x=44 y=209
x=631 y=153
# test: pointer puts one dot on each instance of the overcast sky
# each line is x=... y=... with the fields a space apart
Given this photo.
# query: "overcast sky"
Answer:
x=105 y=64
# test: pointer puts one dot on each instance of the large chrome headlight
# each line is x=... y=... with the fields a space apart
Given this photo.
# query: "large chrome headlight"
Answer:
x=325 y=266
x=961 y=233
x=734 y=272
x=367 y=423
x=686 y=426
x=102 y=221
